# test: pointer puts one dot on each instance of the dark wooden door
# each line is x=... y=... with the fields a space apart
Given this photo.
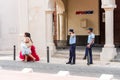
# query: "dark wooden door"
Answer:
x=102 y=25
x=117 y=24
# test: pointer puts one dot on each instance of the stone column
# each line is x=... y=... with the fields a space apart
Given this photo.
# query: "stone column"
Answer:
x=109 y=28
x=109 y=50
x=58 y=28
x=49 y=27
x=62 y=27
x=50 y=8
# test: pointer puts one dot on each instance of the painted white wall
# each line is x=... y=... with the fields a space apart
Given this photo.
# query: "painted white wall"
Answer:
x=37 y=25
x=23 y=16
x=19 y=16
x=8 y=24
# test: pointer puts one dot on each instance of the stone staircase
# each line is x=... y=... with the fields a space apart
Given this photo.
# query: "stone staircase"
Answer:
x=80 y=51
x=117 y=58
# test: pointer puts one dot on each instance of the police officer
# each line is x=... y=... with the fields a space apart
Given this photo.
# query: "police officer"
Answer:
x=90 y=43
x=72 y=43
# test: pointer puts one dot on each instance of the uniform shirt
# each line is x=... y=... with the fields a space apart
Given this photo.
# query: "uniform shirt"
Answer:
x=91 y=37
x=72 y=39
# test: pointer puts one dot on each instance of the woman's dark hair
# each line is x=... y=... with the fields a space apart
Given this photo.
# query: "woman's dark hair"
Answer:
x=28 y=35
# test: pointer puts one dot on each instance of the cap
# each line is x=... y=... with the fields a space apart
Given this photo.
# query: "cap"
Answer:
x=71 y=30
x=91 y=29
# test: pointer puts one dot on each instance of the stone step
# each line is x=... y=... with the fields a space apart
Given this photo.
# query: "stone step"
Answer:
x=116 y=59
x=81 y=48
x=78 y=56
x=80 y=52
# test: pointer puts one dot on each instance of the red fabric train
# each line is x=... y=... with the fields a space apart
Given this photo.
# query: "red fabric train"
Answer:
x=34 y=54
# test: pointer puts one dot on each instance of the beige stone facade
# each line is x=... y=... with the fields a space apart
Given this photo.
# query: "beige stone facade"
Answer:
x=36 y=17
x=75 y=21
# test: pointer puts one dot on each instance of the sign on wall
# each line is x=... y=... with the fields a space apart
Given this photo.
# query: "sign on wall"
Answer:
x=84 y=12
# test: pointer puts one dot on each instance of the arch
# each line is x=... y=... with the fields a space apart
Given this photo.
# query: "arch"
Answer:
x=60 y=6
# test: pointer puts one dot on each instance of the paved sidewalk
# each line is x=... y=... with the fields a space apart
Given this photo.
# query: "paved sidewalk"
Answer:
x=82 y=62
x=9 y=56
x=51 y=68
x=57 y=64
x=15 y=75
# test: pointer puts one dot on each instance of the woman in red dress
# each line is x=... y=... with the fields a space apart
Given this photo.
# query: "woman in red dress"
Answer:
x=33 y=53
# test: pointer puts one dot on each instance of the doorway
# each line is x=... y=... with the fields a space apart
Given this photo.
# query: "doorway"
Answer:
x=116 y=25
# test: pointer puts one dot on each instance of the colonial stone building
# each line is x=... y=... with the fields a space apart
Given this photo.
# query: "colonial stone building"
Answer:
x=49 y=21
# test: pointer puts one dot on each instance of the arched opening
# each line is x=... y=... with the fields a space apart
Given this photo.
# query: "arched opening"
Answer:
x=59 y=24
x=75 y=21
x=117 y=24
x=69 y=14
x=72 y=15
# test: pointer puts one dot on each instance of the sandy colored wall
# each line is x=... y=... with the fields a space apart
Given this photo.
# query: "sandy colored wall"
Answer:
x=74 y=21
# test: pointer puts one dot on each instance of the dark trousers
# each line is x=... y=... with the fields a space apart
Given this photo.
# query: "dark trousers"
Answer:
x=72 y=54
x=89 y=51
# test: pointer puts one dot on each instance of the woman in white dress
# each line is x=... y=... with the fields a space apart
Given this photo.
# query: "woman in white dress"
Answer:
x=26 y=46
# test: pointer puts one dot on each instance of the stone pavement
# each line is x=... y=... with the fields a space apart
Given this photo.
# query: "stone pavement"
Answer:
x=8 y=55
x=16 y=75
x=51 y=68
x=57 y=64
x=55 y=60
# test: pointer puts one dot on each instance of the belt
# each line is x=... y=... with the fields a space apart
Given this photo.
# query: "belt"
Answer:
x=72 y=44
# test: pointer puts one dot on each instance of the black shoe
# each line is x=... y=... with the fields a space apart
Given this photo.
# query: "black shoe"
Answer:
x=84 y=58
x=89 y=63
x=72 y=63
x=68 y=63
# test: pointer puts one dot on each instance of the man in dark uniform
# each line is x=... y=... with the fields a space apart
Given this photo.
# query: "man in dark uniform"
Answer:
x=90 y=43
x=72 y=43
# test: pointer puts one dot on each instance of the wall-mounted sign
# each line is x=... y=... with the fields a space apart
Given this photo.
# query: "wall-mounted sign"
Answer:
x=84 y=12
x=83 y=23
